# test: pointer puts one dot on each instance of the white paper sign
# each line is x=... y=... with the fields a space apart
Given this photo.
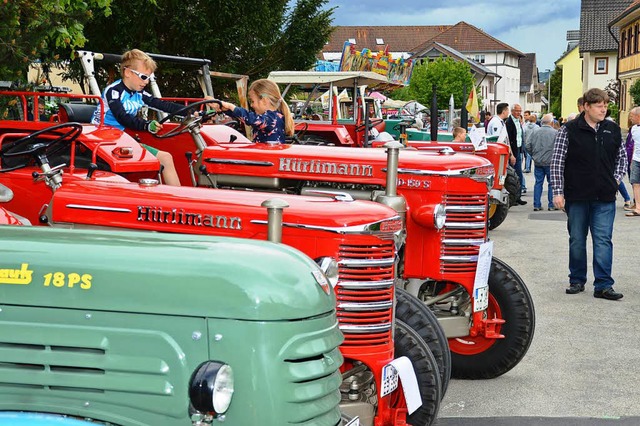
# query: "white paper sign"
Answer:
x=481 y=282
x=478 y=139
x=409 y=382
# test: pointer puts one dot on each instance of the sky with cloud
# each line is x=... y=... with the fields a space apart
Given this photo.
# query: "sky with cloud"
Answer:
x=531 y=27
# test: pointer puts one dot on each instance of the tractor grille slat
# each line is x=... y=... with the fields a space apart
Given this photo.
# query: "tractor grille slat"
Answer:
x=465 y=229
x=365 y=292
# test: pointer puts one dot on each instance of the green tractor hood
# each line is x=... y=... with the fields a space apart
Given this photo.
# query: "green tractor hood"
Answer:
x=165 y=274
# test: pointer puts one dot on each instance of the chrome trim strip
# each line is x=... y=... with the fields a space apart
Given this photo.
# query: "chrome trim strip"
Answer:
x=459 y=259
x=356 y=229
x=363 y=263
x=365 y=307
x=366 y=285
x=239 y=162
x=464 y=225
x=451 y=173
x=98 y=208
x=467 y=209
x=463 y=242
x=364 y=329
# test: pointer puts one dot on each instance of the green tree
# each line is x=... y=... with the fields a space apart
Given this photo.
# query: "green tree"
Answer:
x=44 y=30
x=555 y=80
x=250 y=37
x=449 y=76
x=634 y=91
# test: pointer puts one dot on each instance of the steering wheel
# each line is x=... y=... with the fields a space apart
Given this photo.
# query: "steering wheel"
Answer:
x=30 y=145
x=297 y=136
x=407 y=123
x=372 y=124
x=188 y=119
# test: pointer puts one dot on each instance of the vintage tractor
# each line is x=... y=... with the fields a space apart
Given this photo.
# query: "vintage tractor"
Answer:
x=133 y=328
x=361 y=236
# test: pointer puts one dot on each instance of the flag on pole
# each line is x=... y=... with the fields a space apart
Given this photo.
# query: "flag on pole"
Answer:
x=472 y=105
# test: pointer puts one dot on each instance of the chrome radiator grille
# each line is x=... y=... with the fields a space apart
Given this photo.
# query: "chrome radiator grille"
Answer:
x=464 y=230
x=365 y=293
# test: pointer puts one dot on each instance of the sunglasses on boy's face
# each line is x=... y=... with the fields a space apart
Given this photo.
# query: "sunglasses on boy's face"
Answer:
x=142 y=76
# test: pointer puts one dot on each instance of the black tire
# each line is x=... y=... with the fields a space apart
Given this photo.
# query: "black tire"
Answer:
x=499 y=215
x=481 y=358
x=409 y=343
x=414 y=313
x=512 y=185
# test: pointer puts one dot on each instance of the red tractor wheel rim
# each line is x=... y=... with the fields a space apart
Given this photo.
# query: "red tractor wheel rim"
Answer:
x=475 y=345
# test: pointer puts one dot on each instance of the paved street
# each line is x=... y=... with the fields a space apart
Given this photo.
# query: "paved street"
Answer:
x=583 y=367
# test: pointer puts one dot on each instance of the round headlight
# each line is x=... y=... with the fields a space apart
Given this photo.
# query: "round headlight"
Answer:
x=211 y=387
x=439 y=216
x=329 y=266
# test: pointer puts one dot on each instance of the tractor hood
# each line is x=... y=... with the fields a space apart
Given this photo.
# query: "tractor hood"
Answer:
x=208 y=211
x=340 y=165
x=164 y=274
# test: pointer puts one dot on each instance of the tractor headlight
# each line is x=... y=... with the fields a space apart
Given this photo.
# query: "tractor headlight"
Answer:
x=211 y=387
x=330 y=268
x=439 y=216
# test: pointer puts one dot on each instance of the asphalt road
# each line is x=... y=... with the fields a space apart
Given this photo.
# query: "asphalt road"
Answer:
x=583 y=366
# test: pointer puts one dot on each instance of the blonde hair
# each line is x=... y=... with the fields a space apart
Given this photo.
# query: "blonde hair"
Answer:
x=130 y=56
x=264 y=88
x=457 y=131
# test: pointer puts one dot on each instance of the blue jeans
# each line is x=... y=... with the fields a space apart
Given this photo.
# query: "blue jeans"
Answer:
x=597 y=217
x=527 y=160
x=540 y=173
x=623 y=191
x=518 y=169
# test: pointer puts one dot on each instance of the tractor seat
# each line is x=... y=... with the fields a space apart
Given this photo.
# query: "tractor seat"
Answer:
x=78 y=112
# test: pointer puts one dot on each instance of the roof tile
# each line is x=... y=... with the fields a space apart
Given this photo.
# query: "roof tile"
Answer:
x=595 y=16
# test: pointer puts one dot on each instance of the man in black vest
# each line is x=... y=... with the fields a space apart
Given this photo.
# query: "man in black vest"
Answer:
x=589 y=159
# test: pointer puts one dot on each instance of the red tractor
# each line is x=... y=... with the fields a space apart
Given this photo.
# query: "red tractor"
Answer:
x=84 y=176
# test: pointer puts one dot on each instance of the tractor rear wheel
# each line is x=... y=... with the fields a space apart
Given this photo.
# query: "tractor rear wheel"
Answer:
x=408 y=343
x=510 y=300
x=418 y=316
x=512 y=185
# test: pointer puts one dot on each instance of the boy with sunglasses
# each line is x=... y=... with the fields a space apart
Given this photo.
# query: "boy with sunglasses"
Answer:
x=125 y=97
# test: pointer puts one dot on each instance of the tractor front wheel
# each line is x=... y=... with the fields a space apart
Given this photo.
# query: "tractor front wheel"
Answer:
x=408 y=342
x=418 y=316
x=509 y=299
x=497 y=214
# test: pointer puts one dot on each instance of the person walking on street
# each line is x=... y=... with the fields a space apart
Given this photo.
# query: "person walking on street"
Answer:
x=530 y=125
x=515 y=132
x=540 y=144
x=588 y=162
x=633 y=146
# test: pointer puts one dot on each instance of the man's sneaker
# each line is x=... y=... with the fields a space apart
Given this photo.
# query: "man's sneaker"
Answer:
x=575 y=288
x=607 y=293
x=628 y=206
x=537 y=209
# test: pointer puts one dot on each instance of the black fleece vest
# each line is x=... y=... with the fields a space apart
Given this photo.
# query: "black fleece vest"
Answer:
x=591 y=161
